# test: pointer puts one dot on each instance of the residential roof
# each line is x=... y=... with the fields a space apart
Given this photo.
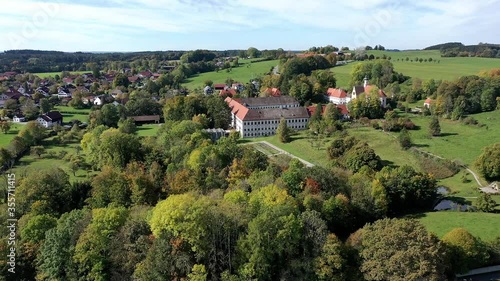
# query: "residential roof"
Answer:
x=267 y=101
x=369 y=88
x=428 y=101
x=220 y=86
x=133 y=79
x=275 y=92
x=146 y=118
x=54 y=115
x=276 y=113
x=228 y=92
x=336 y=93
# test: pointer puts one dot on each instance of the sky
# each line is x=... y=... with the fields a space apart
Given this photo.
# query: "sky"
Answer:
x=158 y=25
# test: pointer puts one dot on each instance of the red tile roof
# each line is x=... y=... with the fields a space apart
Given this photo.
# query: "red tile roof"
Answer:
x=428 y=101
x=220 y=86
x=237 y=108
x=228 y=92
x=275 y=92
x=336 y=93
x=369 y=88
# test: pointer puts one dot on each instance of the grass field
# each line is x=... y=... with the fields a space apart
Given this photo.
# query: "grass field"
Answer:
x=69 y=113
x=148 y=130
x=6 y=138
x=482 y=225
x=459 y=141
x=52 y=74
x=30 y=163
x=446 y=69
x=243 y=74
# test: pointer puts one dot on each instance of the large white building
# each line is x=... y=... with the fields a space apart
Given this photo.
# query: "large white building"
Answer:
x=260 y=117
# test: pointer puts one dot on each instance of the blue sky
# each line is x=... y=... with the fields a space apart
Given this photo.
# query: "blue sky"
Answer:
x=150 y=25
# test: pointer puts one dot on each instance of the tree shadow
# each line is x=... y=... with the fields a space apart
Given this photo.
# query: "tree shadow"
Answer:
x=448 y=134
x=416 y=216
x=387 y=163
x=420 y=145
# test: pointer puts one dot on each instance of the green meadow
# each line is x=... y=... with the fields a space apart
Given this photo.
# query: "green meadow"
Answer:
x=482 y=225
x=69 y=113
x=53 y=74
x=6 y=138
x=440 y=68
x=243 y=74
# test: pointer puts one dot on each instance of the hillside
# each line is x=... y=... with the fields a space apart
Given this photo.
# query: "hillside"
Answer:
x=244 y=73
x=444 y=68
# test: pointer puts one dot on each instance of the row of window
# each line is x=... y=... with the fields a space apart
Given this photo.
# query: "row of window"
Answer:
x=250 y=123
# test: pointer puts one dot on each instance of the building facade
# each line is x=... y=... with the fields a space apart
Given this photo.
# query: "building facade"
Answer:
x=260 y=117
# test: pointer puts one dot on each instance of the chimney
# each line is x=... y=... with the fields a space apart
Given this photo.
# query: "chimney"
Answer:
x=366 y=81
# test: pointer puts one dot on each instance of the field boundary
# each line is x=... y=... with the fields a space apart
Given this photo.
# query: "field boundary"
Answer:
x=281 y=151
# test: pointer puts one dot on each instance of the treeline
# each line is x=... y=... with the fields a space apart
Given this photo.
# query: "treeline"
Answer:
x=307 y=79
x=484 y=50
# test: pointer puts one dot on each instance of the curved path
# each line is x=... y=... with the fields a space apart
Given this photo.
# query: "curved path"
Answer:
x=281 y=151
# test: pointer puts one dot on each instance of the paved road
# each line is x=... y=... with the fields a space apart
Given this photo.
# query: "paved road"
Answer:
x=308 y=164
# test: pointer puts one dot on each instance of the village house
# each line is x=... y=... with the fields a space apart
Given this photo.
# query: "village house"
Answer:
x=259 y=117
x=18 y=118
x=337 y=96
x=49 y=119
x=274 y=92
x=428 y=102
x=366 y=88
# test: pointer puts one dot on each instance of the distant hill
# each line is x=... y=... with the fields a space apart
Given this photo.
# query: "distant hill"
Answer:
x=445 y=46
x=457 y=49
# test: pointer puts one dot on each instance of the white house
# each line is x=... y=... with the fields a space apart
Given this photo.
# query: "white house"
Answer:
x=258 y=117
x=18 y=118
x=337 y=96
x=98 y=101
x=63 y=94
x=428 y=102
x=49 y=119
x=358 y=90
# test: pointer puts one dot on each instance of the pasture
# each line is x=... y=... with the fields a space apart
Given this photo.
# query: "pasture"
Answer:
x=243 y=74
x=69 y=113
x=440 y=68
x=482 y=225
x=14 y=130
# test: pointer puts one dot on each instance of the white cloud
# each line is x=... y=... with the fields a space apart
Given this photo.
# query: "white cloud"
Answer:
x=373 y=19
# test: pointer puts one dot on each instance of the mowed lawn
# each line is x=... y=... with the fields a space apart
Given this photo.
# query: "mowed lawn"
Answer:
x=6 y=138
x=483 y=225
x=148 y=130
x=69 y=113
x=446 y=69
x=243 y=74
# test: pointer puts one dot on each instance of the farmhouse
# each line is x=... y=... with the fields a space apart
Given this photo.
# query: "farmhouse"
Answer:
x=428 y=102
x=337 y=96
x=143 y=119
x=49 y=119
x=358 y=90
x=259 y=117
x=18 y=118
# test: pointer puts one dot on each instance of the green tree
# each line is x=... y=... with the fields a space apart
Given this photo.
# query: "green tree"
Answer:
x=35 y=229
x=405 y=139
x=434 y=127
x=121 y=80
x=37 y=150
x=55 y=260
x=465 y=251
x=488 y=162
x=93 y=247
x=362 y=155
x=5 y=126
x=127 y=126
x=45 y=106
x=485 y=203
x=331 y=264
x=386 y=253
x=283 y=131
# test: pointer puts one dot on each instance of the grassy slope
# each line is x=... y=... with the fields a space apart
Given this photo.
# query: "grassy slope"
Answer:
x=6 y=138
x=446 y=69
x=148 y=130
x=483 y=225
x=242 y=74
